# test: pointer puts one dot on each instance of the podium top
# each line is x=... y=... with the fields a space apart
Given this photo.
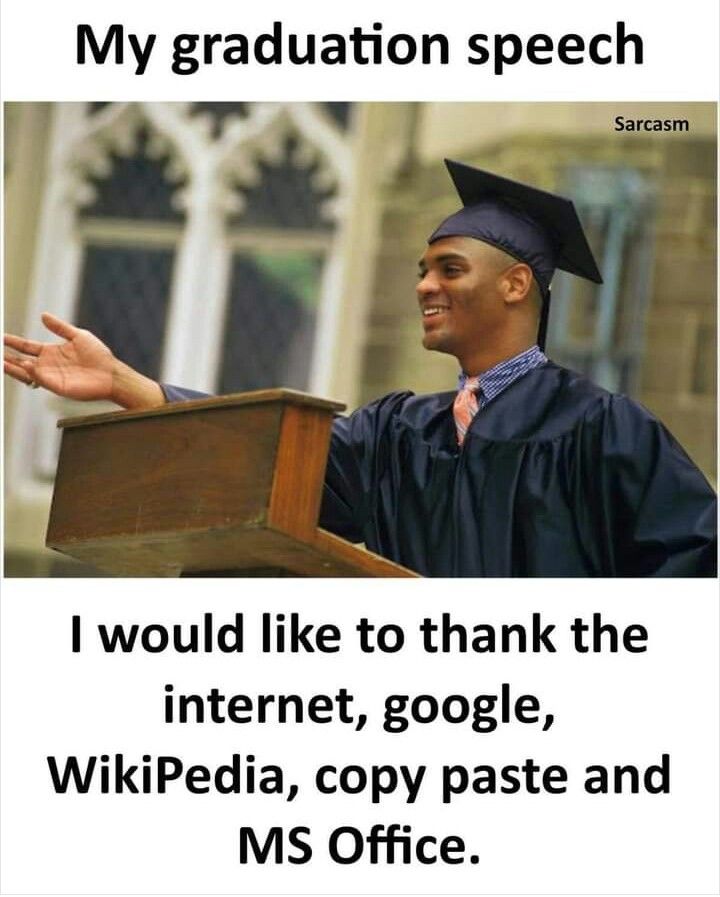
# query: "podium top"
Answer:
x=223 y=485
x=238 y=399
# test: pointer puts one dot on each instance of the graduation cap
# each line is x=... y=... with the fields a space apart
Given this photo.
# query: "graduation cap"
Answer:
x=538 y=228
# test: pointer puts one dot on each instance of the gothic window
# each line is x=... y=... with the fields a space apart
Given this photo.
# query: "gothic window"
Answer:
x=219 y=113
x=130 y=228
x=280 y=239
x=270 y=320
x=137 y=186
x=123 y=300
x=195 y=239
x=285 y=196
x=599 y=329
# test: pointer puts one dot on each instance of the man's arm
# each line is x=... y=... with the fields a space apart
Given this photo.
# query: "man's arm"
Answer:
x=663 y=510
x=81 y=367
x=360 y=452
x=180 y=394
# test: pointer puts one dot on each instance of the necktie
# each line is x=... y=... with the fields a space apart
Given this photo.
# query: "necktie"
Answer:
x=466 y=406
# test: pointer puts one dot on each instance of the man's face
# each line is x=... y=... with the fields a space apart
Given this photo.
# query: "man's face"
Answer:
x=458 y=293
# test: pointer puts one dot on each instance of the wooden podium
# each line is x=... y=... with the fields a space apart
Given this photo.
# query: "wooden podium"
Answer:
x=220 y=486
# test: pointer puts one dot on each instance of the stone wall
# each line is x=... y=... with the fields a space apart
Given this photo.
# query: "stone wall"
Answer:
x=680 y=361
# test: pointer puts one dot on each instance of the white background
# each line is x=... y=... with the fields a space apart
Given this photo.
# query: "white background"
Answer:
x=616 y=709
x=608 y=709
x=680 y=40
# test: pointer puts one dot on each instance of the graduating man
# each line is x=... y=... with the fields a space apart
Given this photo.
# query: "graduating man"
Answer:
x=528 y=469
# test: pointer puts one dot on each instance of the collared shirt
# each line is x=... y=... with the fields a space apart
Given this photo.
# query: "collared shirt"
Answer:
x=498 y=378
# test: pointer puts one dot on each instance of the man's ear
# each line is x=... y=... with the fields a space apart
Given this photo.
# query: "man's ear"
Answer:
x=517 y=282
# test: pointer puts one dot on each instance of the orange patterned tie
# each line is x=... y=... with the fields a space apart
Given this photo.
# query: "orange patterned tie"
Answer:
x=466 y=406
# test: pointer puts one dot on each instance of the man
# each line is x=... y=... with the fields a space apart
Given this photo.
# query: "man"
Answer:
x=529 y=469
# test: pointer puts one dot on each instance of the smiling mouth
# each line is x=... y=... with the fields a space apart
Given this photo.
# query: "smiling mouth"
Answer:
x=433 y=310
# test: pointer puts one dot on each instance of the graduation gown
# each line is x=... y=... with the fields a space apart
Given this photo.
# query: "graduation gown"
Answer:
x=556 y=477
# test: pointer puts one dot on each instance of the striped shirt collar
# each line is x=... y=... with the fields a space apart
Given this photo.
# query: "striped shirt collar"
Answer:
x=498 y=378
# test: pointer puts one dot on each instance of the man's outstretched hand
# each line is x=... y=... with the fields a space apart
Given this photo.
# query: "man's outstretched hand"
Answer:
x=81 y=367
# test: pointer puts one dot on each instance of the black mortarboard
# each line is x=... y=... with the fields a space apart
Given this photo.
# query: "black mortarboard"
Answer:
x=538 y=228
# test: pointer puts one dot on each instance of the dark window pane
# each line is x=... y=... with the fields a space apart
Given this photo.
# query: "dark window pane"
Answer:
x=285 y=196
x=599 y=330
x=123 y=301
x=270 y=323
x=340 y=112
x=219 y=112
x=136 y=188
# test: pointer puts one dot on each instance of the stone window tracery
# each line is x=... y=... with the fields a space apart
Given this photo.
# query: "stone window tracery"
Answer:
x=201 y=241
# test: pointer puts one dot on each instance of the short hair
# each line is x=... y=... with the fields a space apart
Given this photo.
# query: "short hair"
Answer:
x=504 y=260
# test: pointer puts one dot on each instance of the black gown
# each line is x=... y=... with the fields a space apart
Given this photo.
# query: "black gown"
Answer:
x=556 y=477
